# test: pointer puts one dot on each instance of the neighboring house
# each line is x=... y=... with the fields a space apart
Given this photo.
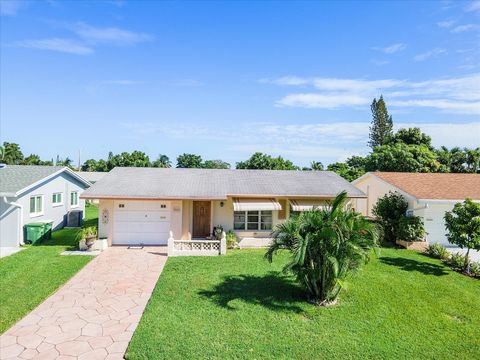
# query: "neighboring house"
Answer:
x=91 y=176
x=142 y=205
x=31 y=193
x=429 y=195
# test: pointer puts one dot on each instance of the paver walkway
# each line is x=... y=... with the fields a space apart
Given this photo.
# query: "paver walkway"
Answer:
x=93 y=316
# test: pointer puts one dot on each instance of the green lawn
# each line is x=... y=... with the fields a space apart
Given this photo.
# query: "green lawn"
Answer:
x=31 y=275
x=401 y=305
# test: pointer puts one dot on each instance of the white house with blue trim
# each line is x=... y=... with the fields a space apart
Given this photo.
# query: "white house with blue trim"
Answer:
x=30 y=193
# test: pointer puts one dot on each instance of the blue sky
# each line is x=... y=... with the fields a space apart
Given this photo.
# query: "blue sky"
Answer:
x=226 y=79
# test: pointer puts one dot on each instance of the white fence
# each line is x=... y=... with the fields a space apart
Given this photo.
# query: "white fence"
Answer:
x=197 y=247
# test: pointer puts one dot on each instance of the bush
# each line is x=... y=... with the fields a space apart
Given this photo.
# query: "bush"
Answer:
x=411 y=229
x=456 y=261
x=475 y=268
x=438 y=251
x=231 y=239
x=389 y=209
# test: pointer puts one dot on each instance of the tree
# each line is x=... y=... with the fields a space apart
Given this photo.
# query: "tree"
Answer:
x=12 y=154
x=350 y=170
x=473 y=160
x=326 y=245
x=382 y=123
x=463 y=226
x=90 y=165
x=32 y=159
x=389 y=209
x=215 y=164
x=162 y=161
x=411 y=136
x=316 y=165
x=189 y=161
x=263 y=161
x=403 y=158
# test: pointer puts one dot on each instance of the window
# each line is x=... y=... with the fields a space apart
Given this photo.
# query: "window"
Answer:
x=36 y=205
x=74 y=198
x=252 y=220
x=57 y=199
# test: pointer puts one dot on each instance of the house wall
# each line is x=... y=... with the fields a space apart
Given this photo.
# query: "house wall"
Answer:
x=11 y=233
x=9 y=224
x=63 y=183
x=376 y=188
x=105 y=219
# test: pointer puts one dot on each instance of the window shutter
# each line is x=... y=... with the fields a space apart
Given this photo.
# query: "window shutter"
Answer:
x=282 y=214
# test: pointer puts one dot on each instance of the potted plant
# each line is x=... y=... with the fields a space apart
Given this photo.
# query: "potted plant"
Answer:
x=88 y=235
x=217 y=232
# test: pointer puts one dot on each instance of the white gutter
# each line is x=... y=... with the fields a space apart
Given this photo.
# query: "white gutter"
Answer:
x=20 y=220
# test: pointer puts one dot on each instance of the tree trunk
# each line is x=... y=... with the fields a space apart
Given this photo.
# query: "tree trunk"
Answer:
x=466 y=265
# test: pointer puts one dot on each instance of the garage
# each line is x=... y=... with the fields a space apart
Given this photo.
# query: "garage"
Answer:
x=141 y=222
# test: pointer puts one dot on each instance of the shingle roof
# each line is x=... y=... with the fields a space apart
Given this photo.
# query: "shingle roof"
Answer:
x=92 y=176
x=217 y=184
x=14 y=178
x=435 y=186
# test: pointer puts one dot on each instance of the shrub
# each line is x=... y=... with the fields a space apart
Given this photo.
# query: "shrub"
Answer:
x=389 y=209
x=411 y=228
x=87 y=232
x=326 y=245
x=438 y=251
x=475 y=268
x=231 y=239
x=456 y=261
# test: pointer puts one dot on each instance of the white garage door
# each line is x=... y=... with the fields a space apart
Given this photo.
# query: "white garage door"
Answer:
x=141 y=222
x=435 y=224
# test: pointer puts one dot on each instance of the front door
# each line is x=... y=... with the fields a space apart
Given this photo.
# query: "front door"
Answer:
x=201 y=219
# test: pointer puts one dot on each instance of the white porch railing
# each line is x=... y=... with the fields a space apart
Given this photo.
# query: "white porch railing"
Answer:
x=197 y=247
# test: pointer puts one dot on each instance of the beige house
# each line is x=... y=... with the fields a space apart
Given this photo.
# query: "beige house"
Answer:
x=150 y=205
x=429 y=195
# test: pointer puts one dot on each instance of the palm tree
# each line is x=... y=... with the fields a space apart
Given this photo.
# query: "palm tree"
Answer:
x=326 y=245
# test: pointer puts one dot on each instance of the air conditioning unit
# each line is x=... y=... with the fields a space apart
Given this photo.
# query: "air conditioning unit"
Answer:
x=75 y=218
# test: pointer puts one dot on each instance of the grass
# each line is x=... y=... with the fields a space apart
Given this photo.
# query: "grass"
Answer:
x=31 y=275
x=401 y=305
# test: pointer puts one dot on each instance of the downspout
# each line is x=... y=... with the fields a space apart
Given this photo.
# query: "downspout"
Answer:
x=20 y=220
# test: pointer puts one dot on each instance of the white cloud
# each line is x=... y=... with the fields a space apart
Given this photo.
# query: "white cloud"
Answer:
x=464 y=28
x=57 y=44
x=379 y=62
x=109 y=35
x=447 y=24
x=300 y=142
x=430 y=54
x=11 y=7
x=455 y=95
x=474 y=6
x=394 y=48
x=326 y=101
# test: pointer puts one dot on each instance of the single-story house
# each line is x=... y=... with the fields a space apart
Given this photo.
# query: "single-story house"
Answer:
x=30 y=193
x=142 y=205
x=429 y=195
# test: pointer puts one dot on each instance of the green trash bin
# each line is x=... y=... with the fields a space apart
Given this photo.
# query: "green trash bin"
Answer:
x=34 y=232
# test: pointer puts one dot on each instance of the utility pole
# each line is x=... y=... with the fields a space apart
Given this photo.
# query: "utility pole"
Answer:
x=78 y=160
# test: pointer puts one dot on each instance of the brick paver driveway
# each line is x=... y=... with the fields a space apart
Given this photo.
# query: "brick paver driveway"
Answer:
x=93 y=316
